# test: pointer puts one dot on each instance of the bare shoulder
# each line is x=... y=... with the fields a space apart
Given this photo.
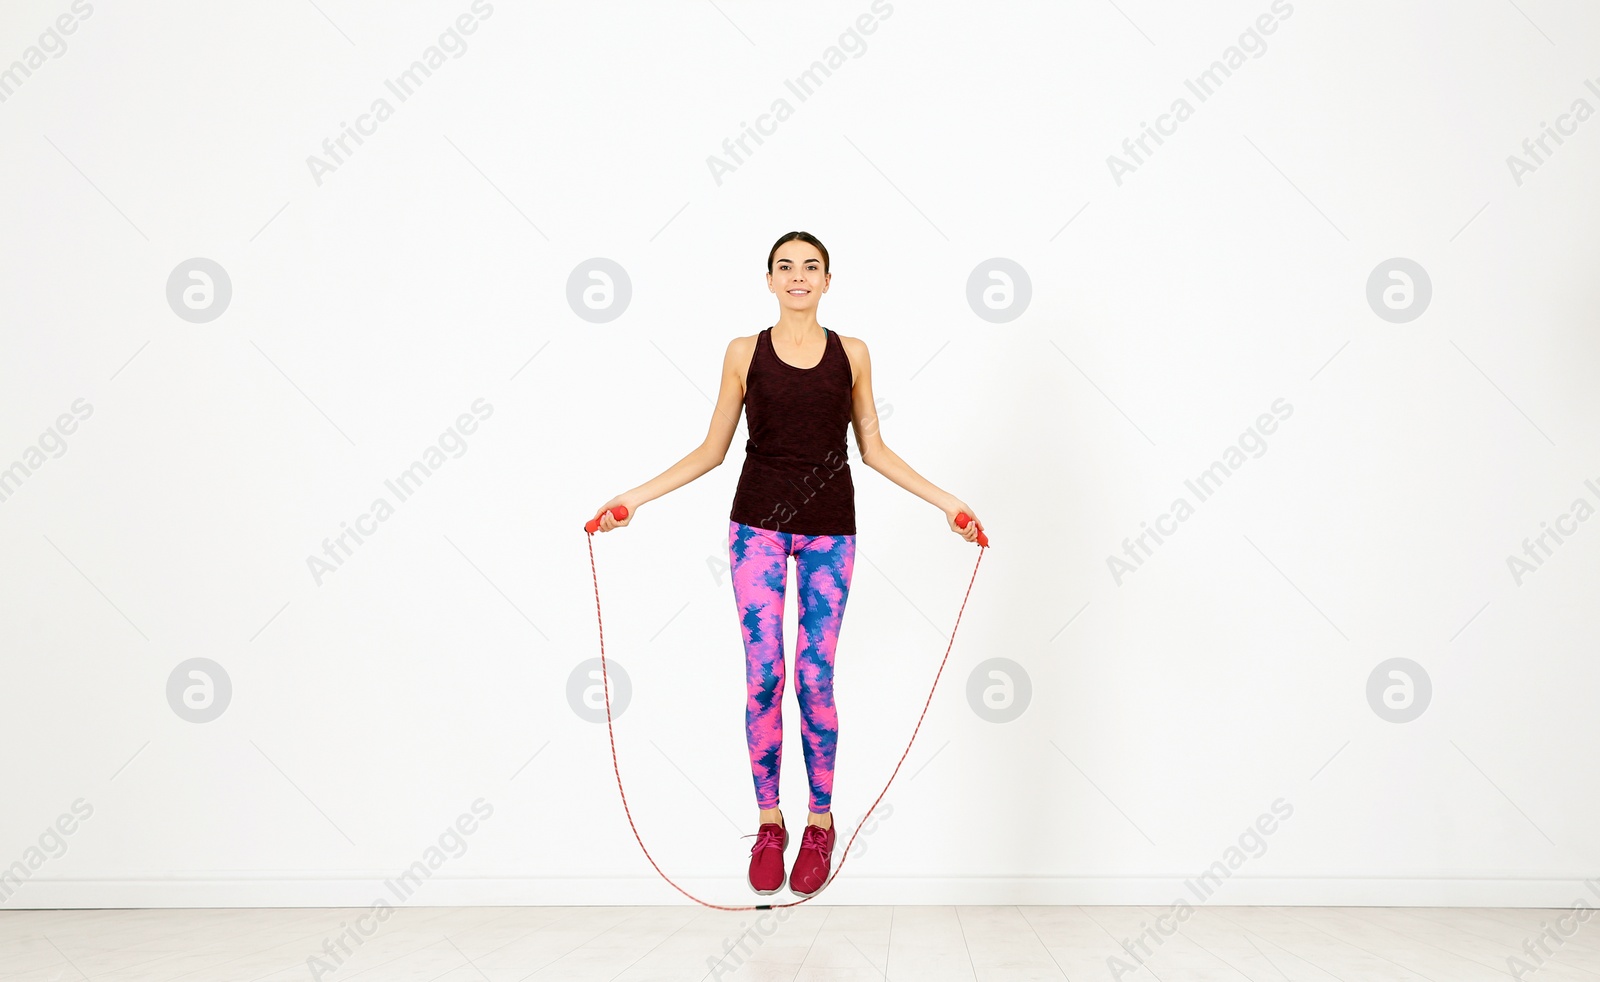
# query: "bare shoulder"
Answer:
x=740 y=350
x=856 y=350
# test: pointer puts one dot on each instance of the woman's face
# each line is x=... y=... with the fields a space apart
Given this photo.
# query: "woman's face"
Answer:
x=797 y=277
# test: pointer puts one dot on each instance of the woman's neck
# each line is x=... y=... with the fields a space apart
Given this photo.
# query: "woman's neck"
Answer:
x=797 y=329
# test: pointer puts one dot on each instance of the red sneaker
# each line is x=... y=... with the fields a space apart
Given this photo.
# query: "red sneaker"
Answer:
x=813 y=862
x=766 y=858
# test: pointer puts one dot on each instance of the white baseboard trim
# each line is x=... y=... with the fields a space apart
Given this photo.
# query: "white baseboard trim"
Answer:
x=274 y=890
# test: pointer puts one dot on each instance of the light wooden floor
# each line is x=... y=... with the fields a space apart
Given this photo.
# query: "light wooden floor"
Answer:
x=914 y=944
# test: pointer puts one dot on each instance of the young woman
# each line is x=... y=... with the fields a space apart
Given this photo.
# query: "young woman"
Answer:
x=800 y=384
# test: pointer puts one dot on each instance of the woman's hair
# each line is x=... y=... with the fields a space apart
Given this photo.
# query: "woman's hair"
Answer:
x=803 y=237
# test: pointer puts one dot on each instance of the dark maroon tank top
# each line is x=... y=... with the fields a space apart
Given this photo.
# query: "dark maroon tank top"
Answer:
x=796 y=475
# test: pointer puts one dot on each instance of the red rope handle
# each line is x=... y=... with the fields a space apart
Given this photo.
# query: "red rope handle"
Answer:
x=605 y=680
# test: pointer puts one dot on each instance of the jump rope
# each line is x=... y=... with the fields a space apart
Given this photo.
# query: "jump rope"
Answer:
x=620 y=513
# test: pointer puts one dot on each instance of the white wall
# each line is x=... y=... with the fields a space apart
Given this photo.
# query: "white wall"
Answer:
x=428 y=272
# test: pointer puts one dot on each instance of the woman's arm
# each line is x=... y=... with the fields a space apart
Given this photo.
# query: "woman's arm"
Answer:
x=711 y=451
x=877 y=455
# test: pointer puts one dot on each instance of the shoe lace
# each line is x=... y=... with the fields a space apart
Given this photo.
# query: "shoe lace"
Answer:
x=766 y=838
x=815 y=837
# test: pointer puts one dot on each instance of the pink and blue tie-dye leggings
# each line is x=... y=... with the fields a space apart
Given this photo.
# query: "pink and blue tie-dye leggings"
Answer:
x=759 y=560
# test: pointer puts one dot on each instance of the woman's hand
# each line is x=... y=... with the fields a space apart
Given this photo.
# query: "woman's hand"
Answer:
x=970 y=533
x=608 y=521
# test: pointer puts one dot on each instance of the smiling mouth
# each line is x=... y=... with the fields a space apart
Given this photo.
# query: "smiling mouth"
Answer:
x=799 y=291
